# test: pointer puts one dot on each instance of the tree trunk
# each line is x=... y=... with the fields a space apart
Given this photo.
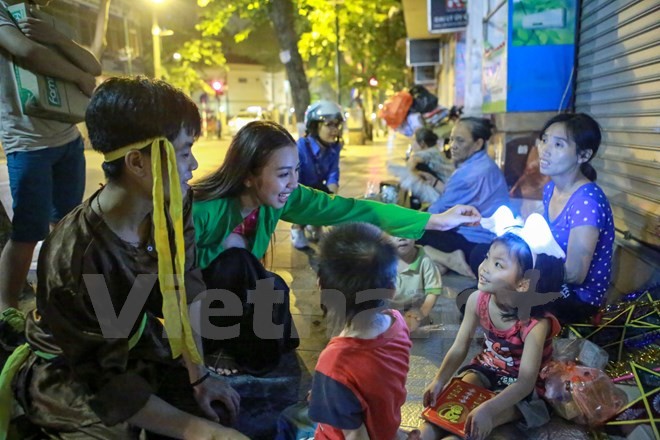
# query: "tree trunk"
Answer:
x=281 y=14
x=102 y=18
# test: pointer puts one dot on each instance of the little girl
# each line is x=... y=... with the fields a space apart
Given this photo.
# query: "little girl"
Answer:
x=514 y=350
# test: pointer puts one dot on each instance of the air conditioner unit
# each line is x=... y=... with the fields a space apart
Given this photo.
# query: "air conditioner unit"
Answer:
x=423 y=52
x=552 y=18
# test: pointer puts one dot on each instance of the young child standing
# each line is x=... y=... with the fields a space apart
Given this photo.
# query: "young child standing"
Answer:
x=418 y=283
x=319 y=152
x=348 y=398
x=514 y=350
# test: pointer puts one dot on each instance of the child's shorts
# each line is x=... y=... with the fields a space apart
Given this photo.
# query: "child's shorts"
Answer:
x=533 y=409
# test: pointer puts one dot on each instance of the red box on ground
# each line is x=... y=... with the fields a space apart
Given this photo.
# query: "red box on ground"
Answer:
x=454 y=404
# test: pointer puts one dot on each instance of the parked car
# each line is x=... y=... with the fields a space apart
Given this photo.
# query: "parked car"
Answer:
x=244 y=117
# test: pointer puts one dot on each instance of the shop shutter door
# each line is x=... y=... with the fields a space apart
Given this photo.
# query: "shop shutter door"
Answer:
x=618 y=82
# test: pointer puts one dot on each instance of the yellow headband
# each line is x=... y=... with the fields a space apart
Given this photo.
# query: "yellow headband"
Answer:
x=170 y=276
x=116 y=154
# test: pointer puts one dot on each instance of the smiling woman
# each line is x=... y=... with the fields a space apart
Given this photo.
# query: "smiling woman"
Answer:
x=236 y=210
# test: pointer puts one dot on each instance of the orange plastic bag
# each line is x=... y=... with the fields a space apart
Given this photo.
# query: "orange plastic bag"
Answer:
x=585 y=395
x=396 y=108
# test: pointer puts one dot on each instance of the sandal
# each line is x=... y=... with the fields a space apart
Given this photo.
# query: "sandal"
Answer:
x=225 y=365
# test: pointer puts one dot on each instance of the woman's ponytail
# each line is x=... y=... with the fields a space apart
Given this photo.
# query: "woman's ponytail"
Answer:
x=588 y=171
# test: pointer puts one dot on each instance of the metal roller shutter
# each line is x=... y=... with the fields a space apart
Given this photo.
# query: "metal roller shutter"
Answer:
x=618 y=83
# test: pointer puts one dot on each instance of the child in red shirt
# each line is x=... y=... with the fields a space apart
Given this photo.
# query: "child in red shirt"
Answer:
x=357 y=275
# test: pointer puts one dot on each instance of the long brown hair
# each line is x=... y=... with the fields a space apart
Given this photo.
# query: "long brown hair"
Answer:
x=248 y=152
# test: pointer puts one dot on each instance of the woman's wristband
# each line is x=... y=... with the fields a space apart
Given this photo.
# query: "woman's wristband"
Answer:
x=201 y=379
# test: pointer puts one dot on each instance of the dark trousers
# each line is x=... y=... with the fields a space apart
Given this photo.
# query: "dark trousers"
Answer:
x=238 y=270
x=571 y=309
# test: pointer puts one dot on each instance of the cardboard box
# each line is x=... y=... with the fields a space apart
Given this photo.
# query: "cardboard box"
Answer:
x=43 y=96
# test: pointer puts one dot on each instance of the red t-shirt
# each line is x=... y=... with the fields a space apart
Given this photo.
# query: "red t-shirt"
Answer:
x=362 y=381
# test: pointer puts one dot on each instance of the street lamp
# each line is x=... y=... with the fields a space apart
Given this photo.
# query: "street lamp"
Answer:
x=156 y=33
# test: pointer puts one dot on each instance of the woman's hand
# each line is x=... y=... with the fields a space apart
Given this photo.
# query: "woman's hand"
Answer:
x=479 y=423
x=432 y=391
x=215 y=388
x=453 y=217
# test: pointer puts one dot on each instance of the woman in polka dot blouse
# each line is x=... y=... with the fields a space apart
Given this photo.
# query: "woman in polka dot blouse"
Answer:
x=578 y=213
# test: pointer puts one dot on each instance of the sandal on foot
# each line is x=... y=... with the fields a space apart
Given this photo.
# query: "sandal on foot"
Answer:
x=225 y=365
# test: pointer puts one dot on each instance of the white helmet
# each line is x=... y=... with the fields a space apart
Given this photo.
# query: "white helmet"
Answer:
x=323 y=110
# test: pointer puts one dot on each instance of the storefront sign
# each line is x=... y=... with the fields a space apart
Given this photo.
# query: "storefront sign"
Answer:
x=447 y=15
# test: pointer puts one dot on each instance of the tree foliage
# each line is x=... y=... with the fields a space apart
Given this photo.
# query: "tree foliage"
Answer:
x=370 y=36
x=242 y=17
x=195 y=54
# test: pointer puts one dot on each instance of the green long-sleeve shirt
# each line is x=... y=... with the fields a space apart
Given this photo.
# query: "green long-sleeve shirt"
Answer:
x=215 y=219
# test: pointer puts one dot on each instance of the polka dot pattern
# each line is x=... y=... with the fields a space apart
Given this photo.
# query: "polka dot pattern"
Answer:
x=587 y=206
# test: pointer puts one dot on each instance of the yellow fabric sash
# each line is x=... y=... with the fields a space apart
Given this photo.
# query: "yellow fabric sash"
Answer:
x=14 y=362
x=170 y=270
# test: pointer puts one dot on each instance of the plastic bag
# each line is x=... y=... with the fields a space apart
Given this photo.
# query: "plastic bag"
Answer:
x=581 y=394
x=389 y=192
x=413 y=122
x=396 y=109
x=581 y=351
x=423 y=100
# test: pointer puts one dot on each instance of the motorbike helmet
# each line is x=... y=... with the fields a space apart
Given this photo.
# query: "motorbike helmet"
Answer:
x=323 y=110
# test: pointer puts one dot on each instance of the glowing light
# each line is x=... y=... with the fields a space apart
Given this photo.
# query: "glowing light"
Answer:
x=217 y=86
x=373 y=82
x=177 y=56
x=501 y=221
x=538 y=236
x=535 y=232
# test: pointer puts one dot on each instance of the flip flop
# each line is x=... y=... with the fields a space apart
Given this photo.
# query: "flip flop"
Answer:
x=225 y=365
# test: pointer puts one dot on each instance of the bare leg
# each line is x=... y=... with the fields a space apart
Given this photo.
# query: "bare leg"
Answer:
x=505 y=416
x=14 y=267
x=432 y=432
x=454 y=260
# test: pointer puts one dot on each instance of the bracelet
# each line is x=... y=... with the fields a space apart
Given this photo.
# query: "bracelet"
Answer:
x=201 y=379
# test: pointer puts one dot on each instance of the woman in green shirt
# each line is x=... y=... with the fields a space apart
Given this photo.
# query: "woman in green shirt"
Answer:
x=236 y=210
